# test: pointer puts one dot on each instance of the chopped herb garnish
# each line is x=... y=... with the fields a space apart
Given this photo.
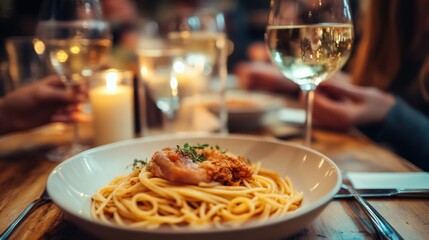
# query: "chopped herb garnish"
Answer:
x=137 y=164
x=190 y=151
x=220 y=150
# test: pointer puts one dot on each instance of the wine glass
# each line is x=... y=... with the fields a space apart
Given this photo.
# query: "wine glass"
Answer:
x=309 y=40
x=76 y=40
x=201 y=34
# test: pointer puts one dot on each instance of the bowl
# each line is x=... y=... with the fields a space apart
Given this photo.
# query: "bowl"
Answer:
x=72 y=183
x=246 y=110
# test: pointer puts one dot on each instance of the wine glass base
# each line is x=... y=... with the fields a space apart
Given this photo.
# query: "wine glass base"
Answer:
x=60 y=154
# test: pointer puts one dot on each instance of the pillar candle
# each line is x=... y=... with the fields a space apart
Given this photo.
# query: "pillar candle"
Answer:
x=112 y=108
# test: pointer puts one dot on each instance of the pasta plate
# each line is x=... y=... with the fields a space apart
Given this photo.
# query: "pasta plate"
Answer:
x=72 y=183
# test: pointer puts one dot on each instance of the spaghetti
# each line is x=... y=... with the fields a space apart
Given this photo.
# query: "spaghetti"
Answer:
x=141 y=199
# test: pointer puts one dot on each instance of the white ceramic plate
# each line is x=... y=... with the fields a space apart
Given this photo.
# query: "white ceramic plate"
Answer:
x=72 y=183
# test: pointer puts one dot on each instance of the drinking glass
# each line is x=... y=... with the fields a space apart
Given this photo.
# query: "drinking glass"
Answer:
x=158 y=71
x=309 y=40
x=201 y=34
x=76 y=40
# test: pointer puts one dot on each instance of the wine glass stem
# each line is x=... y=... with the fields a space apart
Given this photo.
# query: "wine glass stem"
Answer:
x=73 y=90
x=309 y=97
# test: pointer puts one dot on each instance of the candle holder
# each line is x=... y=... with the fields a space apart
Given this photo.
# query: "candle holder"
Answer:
x=111 y=98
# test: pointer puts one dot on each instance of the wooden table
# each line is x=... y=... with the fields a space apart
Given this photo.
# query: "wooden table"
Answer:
x=24 y=170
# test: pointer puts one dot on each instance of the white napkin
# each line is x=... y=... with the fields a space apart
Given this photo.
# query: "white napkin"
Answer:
x=383 y=180
x=291 y=115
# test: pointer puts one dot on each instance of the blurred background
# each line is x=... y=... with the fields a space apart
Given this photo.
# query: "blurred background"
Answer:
x=246 y=22
x=245 y=25
x=392 y=58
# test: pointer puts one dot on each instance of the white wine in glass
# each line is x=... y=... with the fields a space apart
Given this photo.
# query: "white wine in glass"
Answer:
x=76 y=40
x=77 y=58
x=309 y=41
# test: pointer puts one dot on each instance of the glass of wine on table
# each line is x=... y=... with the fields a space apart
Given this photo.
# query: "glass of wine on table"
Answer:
x=309 y=41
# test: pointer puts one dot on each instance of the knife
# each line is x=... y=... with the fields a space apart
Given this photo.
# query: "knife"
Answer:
x=391 y=192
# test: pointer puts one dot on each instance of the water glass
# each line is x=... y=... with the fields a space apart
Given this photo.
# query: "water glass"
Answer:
x=201 y=34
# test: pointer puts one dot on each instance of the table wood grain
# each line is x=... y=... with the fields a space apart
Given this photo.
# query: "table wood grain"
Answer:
x=24 y=170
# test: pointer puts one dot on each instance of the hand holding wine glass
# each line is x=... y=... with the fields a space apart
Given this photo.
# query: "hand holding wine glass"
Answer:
x=76 y=40
x=309 y=40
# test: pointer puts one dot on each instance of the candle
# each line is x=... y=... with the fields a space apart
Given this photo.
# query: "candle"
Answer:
x=112 y=109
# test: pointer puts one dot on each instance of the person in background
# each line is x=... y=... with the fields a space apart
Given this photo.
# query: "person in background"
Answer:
x=386 y=92
x=39 y=103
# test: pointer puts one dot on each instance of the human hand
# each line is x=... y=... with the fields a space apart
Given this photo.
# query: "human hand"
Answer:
x=264 y=77
x=42 y=102
x=341 y=105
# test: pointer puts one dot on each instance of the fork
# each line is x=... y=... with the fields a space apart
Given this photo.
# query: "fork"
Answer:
x=383 y=228
x=44 y=198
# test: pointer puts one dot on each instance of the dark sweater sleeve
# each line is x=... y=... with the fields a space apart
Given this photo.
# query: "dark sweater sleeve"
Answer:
x=406 y=130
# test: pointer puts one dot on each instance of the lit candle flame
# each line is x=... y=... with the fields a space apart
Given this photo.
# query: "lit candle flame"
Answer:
x=112 y=81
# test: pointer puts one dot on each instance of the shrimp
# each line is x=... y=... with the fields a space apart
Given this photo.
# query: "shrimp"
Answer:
x=217 y=167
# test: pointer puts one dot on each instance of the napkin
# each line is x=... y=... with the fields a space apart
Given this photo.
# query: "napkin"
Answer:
x=384 y=180
x=291 y=115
